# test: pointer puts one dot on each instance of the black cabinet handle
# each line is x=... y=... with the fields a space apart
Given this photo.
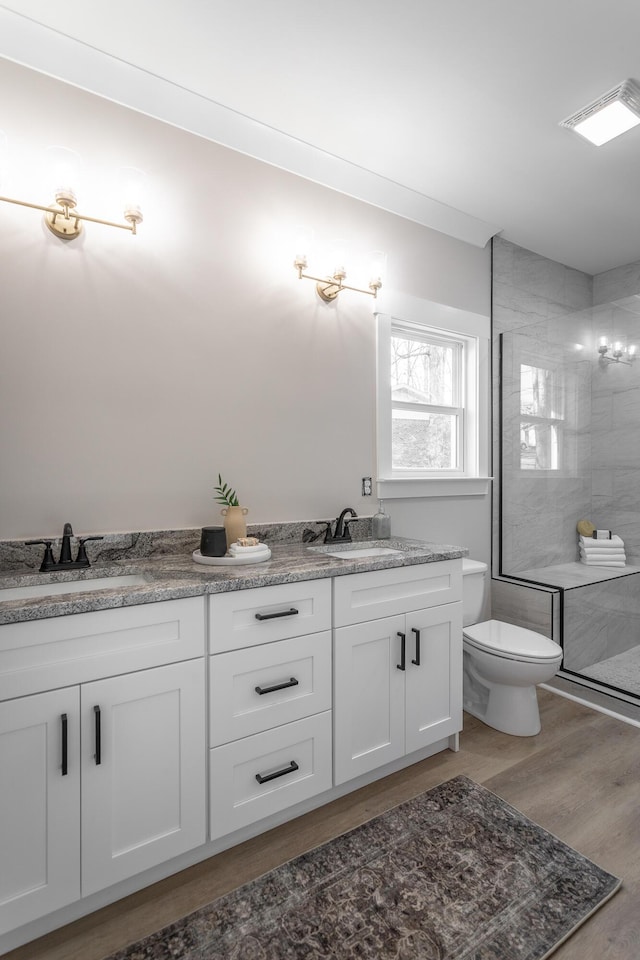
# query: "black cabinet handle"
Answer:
x=65 y=744
x=403 y=652
x=98 y=753
x=274 y=616
x=417 y=659
x=277 y=686
x=279 y=773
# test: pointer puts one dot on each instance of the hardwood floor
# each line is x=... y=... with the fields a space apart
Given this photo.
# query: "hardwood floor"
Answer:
x=579 y=778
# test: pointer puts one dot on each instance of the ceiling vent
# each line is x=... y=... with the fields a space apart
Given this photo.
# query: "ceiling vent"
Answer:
x=613 y=113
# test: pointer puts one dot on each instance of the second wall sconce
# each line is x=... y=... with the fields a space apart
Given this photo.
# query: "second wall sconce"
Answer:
x=328 y=288
x=616 y=353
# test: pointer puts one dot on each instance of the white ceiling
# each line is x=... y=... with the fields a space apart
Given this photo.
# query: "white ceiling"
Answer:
x=400 y=102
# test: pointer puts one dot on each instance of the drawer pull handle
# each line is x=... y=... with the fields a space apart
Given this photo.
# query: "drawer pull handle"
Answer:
x=274 y=616
x=417 y=659
x=277 y=686
x=65 y=744
x=98 y=753
x=403 y=652
x=293 y=766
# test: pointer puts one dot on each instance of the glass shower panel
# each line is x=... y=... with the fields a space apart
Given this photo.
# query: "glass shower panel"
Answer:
x=568 y=421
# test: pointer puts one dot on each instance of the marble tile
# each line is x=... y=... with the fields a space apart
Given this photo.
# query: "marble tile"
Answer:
x=618 y=283
x=601 y=621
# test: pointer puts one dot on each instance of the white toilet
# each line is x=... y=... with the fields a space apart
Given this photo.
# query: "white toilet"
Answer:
x=502 y=663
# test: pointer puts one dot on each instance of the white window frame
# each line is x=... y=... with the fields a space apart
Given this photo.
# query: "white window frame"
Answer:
x=472 y=331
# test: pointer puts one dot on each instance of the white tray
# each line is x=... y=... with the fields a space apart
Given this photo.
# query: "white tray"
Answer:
x=230 y=561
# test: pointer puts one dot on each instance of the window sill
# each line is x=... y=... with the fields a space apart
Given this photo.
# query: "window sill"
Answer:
x=416 y=488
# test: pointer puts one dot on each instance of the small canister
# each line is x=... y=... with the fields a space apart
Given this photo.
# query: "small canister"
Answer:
x=213 y=542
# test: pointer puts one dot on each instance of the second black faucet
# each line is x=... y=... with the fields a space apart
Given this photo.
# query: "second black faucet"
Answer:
x=65 y=562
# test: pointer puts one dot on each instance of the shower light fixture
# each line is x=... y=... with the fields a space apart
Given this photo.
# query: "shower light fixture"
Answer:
x=613 y=113
x=616 y=353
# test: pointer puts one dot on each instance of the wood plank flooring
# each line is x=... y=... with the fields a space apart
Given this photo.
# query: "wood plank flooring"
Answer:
x=579 y=778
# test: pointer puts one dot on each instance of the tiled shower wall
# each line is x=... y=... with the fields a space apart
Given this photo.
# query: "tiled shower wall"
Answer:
x=616 y=411
x=547 y=309
x=538 y=522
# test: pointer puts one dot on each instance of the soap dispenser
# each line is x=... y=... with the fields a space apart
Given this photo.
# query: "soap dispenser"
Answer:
x=381 y=524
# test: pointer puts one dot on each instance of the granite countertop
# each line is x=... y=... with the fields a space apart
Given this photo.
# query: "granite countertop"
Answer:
x=173 y=576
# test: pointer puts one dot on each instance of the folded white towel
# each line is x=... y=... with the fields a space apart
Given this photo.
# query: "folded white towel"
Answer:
x=603 y=557
x=603 y=554
x=614 y=544
x=236 y=550
x=594 y=552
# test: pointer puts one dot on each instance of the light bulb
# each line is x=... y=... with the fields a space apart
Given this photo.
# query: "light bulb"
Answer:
x=377 y=267
x=63 y=169
x=303 y=245
x=132 y=190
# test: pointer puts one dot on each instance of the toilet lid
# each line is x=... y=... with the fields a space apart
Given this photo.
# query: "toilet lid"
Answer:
x=508 y=640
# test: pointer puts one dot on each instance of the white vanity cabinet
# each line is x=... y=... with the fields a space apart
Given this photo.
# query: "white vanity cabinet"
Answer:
x=39 y=805
x=397 y=664
x=105 y=776
x=270 y=701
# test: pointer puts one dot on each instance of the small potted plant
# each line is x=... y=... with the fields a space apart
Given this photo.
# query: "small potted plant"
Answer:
x=234 y=523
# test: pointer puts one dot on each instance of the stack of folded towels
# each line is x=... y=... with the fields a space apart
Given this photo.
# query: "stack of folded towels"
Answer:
x=249 y=547
x=602 y=553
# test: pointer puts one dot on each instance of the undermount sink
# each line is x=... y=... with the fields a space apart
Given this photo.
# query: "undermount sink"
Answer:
x=354 y=552
x=70 y=586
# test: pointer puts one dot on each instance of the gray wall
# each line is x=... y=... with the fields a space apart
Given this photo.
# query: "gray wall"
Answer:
x=133 y=370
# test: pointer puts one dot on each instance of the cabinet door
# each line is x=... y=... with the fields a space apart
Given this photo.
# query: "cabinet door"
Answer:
x=39 y=805
x=368 y=697
x=143 y=771
x=434 y=684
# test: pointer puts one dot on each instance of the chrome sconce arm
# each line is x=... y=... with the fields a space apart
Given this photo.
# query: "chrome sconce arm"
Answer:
x=328 y=288
x=619 y=354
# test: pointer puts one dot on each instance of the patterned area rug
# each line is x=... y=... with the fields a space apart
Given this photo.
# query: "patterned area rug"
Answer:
x=454 y=874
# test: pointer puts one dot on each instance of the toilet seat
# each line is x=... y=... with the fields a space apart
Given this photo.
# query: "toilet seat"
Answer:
x=511 y=642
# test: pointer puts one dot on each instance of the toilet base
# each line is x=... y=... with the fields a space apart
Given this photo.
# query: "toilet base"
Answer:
x=509 y=709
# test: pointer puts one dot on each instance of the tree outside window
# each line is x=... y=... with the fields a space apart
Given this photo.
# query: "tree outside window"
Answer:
x=426 y=397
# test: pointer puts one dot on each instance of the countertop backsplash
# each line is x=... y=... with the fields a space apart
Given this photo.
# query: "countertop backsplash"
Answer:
x=138 y=545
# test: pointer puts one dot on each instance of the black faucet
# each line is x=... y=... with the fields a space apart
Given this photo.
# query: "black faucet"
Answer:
x=342 y=533
x=65 y=562
x=65 y=549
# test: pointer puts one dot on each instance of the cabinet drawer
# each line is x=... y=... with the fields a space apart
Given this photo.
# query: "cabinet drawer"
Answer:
x=249 y=617
x=259 y=688
x=384 y=593
x=298 y=754
x=62 y=651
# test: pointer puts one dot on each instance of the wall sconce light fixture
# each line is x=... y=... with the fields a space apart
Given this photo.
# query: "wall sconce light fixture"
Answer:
x=616 y=353
x=328 y=288
x=65 y=222
x=61 y=216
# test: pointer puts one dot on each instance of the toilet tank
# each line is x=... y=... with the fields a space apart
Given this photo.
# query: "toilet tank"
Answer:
x=473 y=577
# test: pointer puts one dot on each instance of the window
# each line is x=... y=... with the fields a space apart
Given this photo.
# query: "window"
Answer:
x=427 y=413
x=541 y=417
x=433 y=384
